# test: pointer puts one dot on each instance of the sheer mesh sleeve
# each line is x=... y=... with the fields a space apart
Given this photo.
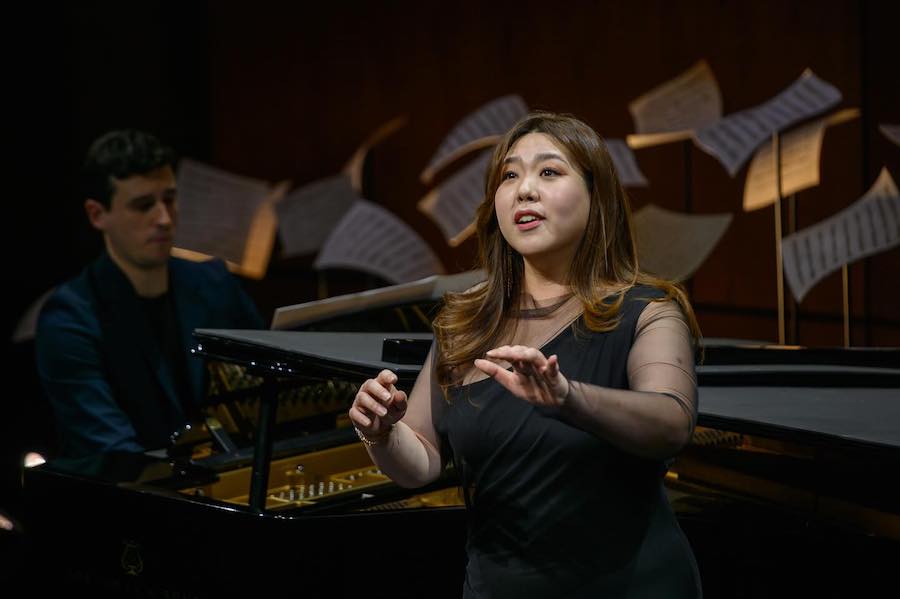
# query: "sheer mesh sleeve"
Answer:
x=662 y=357
x=426 y=403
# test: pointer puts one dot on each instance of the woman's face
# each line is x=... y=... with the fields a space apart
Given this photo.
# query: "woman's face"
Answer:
x=542 y=203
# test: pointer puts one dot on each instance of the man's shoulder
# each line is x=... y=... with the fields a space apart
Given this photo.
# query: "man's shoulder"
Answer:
x=212 y=270
x=210 y=284
x=210 y=280
x=76 y=293
x=70 y=304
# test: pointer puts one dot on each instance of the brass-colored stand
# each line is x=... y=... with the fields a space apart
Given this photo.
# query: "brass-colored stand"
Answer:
x=779 y=275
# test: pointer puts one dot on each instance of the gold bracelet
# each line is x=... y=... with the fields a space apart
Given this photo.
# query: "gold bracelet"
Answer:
x=370 y=442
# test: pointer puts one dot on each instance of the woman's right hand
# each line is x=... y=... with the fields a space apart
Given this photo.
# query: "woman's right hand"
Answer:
x=377 y=406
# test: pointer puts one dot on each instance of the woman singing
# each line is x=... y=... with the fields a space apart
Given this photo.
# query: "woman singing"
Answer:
x=559 y=387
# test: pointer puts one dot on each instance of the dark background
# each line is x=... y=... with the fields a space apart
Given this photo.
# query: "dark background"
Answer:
x=289 y=90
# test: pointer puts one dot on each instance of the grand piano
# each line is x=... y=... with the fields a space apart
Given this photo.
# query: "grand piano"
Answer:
x=785 y=490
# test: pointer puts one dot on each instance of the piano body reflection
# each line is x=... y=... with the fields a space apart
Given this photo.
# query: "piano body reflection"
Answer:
x=786 y=488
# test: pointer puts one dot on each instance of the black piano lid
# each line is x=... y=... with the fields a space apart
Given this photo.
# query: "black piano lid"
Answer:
x=295 y=353
x=736 y=352
x=864 y=418
x=147 y=468
x=829 y=396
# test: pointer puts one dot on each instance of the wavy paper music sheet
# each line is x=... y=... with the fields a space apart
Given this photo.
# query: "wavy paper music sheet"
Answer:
x=800 y=153
x=734 y=138
x=869 y=226
x=356 y=164
x=686 y=102
x=452 y=205
x=892 y=132
x=371 y=239
x=625 y=163
x=27 y=324
x=477 y=130
x=673 y=245
x=308 y=214
x=226 y=215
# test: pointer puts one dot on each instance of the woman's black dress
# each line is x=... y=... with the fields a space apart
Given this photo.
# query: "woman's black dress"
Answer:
x=553 y=510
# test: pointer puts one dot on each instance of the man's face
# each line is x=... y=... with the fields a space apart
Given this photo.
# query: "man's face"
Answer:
x=139 y=225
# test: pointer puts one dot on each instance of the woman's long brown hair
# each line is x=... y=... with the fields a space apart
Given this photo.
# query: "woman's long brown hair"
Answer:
x=604 y=268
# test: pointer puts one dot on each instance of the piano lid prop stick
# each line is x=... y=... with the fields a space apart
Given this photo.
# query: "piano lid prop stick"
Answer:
x=262 y=451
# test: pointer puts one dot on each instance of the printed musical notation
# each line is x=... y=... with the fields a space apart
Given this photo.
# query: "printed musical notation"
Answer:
x=673 y=245
x=625 y=163
x=800 y=151
x=452 y=205
x=371 y=239
x=689 y=101
x=308 y=214
x=225 y=215
x=734 y=138
x=479 y=129
x=869 y=226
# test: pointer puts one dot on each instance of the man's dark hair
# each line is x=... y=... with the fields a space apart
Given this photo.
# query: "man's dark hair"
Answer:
x=121 y=154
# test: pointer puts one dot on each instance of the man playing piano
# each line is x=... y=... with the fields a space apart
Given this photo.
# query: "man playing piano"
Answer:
x=112 y=343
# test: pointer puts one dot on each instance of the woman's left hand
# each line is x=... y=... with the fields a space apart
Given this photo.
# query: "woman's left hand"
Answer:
x=534 y=378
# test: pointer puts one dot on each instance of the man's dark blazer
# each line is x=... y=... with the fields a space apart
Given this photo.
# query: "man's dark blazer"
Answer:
x=99 y=362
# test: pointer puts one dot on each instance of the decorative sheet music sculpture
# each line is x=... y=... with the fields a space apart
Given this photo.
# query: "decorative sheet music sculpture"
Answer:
x=226 y=215
x=868 y=226
x=452 y=204
x=670 y=244
x=673 y=110
x=480 y=129
x=26 y=326
x=892 y=132
x=734 y=138
x=371 y=239
x=800 y=151
x=673 y=245
x=310 y=213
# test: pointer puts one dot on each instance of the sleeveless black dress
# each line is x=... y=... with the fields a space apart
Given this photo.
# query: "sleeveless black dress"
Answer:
x=553 y=510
